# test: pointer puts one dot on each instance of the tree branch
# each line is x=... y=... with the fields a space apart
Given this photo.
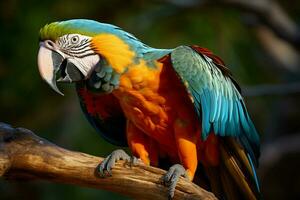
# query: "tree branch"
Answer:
x=23 y=155
x=273 y=16
x=275 y=30
x=281 y=52
x=268 y=11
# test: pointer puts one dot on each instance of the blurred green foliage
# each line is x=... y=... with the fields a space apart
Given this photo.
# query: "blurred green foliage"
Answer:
x=25 y=100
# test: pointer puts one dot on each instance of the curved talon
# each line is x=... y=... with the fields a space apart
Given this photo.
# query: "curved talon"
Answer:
x=105 y=166
x=170 y=179
x=133 y=161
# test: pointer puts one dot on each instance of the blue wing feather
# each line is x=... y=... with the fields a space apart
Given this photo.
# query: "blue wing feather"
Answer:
x=217 y=99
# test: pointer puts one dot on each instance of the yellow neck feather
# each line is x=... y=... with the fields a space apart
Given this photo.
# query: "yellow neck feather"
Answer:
x=114 y=50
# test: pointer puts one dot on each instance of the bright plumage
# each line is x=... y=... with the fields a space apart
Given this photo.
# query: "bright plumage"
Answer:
x=177 y=107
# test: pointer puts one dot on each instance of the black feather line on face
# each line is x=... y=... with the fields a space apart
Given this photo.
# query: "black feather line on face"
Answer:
x=78 y=50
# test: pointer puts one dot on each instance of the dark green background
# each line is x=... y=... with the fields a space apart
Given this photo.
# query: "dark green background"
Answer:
x=25 y=100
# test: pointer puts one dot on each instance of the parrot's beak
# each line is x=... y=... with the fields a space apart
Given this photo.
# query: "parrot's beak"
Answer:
x=51 y=61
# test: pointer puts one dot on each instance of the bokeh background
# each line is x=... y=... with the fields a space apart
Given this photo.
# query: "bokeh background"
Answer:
x=259 y=41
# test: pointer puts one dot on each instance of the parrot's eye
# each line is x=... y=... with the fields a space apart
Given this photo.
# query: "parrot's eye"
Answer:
x=74 y=39
x=75 y=45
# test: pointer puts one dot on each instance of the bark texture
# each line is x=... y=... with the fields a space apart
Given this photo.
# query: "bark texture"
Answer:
x=23 y=155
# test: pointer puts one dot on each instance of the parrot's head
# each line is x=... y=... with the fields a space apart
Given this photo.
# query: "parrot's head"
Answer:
x=70 y=50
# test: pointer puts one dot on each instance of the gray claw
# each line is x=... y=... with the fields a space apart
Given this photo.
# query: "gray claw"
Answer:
x=133 y=161
x=105 y=166
x=170 y=179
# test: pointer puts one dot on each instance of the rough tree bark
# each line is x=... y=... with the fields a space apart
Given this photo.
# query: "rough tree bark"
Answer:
x=23 y=155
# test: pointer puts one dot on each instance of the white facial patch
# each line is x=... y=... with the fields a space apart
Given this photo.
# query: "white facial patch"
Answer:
x=77 y=49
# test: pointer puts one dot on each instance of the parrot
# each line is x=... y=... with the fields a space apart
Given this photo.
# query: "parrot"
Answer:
x=178 y=109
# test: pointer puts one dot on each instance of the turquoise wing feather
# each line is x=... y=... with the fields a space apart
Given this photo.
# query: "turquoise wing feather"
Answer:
x=216 y=96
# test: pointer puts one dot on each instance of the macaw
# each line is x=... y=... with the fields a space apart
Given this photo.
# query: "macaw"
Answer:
x=177 y=108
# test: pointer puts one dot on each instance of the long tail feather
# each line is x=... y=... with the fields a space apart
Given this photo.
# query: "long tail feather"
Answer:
x=240 y=168
x=233 y=177
x=229 y=187
x=215 y=180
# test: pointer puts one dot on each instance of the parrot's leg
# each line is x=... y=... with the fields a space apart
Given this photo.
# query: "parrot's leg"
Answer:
x=141 y=145
x=170 y=179
x=186 y=140
x=105 y=166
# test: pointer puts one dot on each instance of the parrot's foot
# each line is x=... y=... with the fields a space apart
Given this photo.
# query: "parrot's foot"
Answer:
x=170 y=179
x=105 y=166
